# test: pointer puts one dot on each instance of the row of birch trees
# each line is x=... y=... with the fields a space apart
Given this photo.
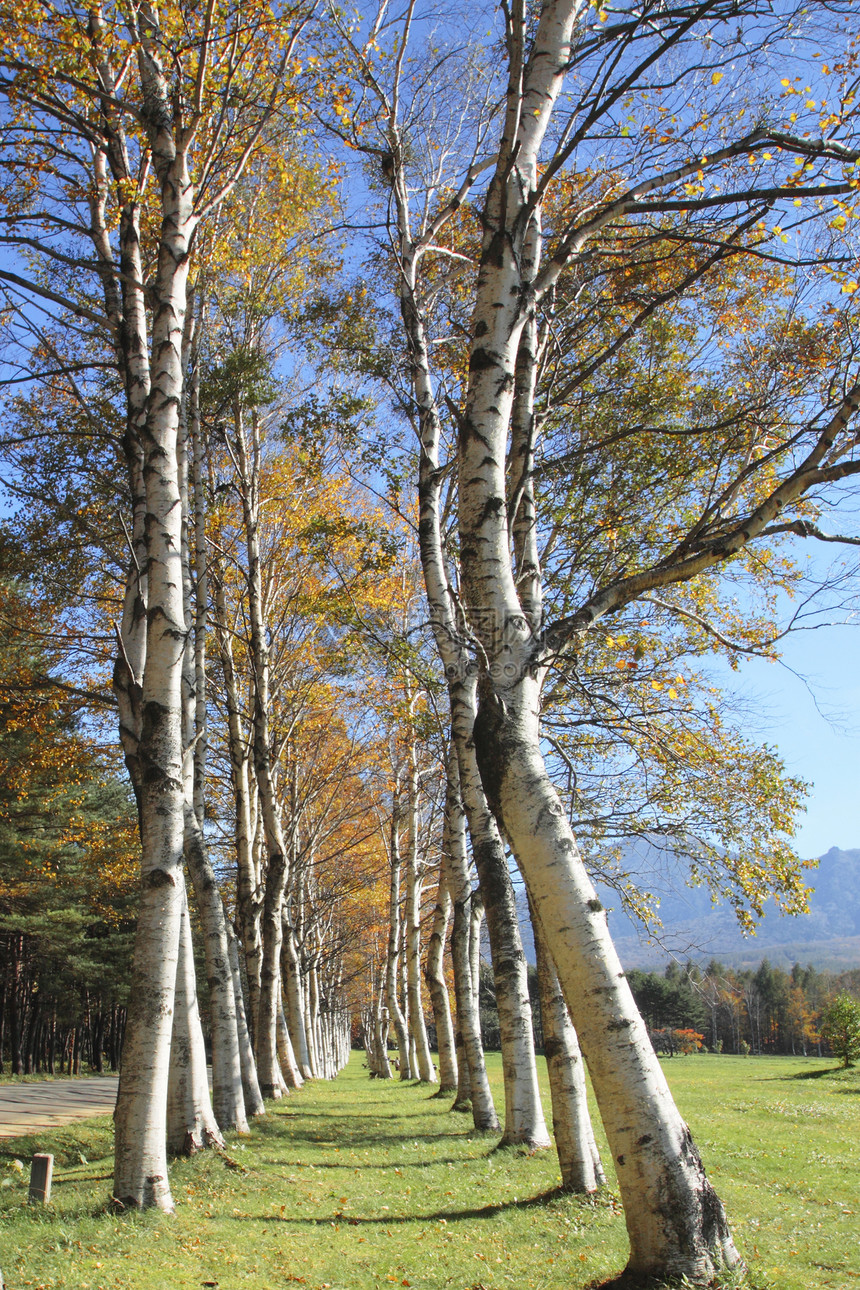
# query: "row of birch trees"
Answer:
x=409 y=401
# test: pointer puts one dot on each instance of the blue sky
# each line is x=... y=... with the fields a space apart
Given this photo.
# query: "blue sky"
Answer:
x=810 y=709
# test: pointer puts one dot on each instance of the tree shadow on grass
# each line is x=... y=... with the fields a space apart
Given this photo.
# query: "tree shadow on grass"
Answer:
x=846 y=1079
x=349 y=1164
x=540 y=1201
x=828 y=1072
x=629 y=1282
x=383 y=1130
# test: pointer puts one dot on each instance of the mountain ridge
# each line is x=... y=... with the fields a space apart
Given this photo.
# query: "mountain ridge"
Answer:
x=828 y=936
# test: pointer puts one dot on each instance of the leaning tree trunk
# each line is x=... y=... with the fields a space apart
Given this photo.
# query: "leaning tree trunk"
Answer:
x=676 y=1223
x=434 y=974
x=254 y=1104
x=418 y=1030
x=674 y=1218
x=524 y=1118
x=191 y=1123
x=228 y=1100
x=392 y=962
x=578 y=1157
x=465 y=993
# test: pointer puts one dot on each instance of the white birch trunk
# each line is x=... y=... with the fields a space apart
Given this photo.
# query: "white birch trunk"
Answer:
x=191 y=1123
x=434 y=973
x=140 y=1166
x=228 y=1098
x=249 y=878
x=524 y=1118
x=675 y=1221
x=472 y=1067
x=380 y=1033
x=254 y=1104
x=294 y=997
x=578 y=1158
x=272 y=1081
x=392 y=965
x=286 y=1054
x=422 y=1061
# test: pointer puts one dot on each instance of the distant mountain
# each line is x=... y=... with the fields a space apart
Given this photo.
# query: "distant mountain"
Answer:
x=828 y=936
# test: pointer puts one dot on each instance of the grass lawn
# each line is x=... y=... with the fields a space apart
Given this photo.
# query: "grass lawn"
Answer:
x=358 y=1184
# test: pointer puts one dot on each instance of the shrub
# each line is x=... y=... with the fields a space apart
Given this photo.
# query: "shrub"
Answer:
x=840 y=1026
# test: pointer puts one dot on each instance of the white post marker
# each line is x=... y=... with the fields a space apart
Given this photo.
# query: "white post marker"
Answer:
x=41 y=1172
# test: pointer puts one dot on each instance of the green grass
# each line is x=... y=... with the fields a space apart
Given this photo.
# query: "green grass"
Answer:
x=359 y=1184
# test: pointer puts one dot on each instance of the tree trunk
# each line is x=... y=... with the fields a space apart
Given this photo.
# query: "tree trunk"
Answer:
x=140 y=1173
x=254 y=1104
x=468 y=1021
x=249 y=879
x=272 y=1082
x=524 y=1118
x=229 y=1102
x=294 y=1000
x=393 y=957
x=423 y=1063
x=674 y=1219
x=191 y=1123
x=286 y=1055
x=434 y=973
x=578 y=1157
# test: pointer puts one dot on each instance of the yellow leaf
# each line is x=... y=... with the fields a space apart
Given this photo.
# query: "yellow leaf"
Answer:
x=717 y=77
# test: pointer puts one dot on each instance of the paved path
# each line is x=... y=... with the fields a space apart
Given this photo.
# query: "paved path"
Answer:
x=26 y=1108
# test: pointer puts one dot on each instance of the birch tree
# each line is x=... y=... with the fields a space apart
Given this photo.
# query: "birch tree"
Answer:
x=696 y=171
x=675 y=1221
x=386 y=128
x=120 y=118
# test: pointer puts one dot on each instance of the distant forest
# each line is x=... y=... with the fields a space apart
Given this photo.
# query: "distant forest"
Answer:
x=762 y=1011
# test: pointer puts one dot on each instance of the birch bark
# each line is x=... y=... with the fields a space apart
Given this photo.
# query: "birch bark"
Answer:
x=578 y=1157
x=294 y=1000
x=423 y=1060
x=434 y=974
x=524 y=1119
x=249 y=876
x=254 y=1104
x=392 y=966
x=473 y=1066
x=140 y=1173
x=675 y=1222
x=191 y=1123
x=229 y=1103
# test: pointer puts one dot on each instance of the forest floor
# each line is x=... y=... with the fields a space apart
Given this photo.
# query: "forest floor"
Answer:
x=361 y=1185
